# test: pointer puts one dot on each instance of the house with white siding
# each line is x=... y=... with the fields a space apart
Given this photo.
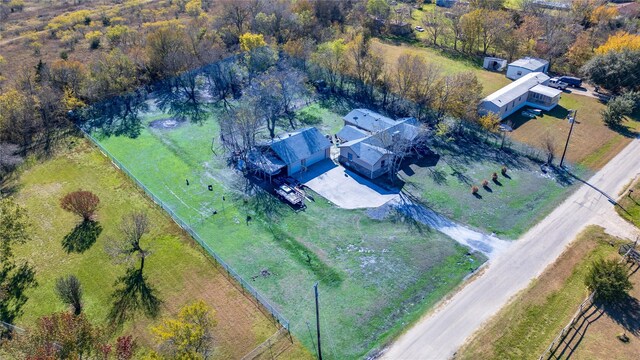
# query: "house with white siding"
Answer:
x=529 y=90
x=527 y=65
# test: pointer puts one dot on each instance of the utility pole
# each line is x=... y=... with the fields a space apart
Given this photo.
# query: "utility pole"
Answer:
x=572 y=118
x=315 y=288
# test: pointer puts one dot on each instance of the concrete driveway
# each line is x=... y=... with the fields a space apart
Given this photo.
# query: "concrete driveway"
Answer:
x=345 y=188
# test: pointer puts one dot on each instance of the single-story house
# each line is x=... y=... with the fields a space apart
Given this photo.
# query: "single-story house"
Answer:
x=494 y=63
x=290 y=153
x=370 y=139
x=527 y=65
x=528 y=90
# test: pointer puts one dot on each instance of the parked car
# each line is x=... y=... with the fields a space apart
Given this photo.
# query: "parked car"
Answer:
x=505 y=128
x=556 y=83
x=419 y=28
x=528 y=114
x=536 y=112
x=572 y=81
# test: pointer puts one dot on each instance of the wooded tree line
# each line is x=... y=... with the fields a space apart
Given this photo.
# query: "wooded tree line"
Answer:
x=326 y=40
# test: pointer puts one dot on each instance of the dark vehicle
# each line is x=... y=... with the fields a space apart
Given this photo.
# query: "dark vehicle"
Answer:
x=572 y=81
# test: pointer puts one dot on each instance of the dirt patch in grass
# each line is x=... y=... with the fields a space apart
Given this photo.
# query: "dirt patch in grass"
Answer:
x=600 y=340
x=528 y=324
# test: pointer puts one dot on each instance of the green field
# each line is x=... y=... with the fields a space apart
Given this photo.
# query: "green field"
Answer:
x=527 y=326
x=375 y=276
x=507 y=207
x=177 y=268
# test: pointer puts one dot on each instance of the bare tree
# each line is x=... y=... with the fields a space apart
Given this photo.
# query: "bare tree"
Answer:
x=9 y=158
x=434 y=24
x=549 y=146
x=69 y=291
x=129 y=247
x=401 y=142
x=239 y=129
x=81 y=203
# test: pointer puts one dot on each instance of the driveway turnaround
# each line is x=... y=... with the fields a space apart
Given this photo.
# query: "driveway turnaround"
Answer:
x=445 y=329
x=344 y=187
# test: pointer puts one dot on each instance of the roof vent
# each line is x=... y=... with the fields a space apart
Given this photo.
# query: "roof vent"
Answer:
x=355 y=118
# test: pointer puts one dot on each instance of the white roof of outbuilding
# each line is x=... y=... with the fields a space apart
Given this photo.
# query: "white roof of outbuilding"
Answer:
x=546 y=90
x=530 y=63
x=516 y=89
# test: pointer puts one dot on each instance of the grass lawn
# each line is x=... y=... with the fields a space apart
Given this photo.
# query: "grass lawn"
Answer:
x=524 y=328
x=177 y=267
x=375 y=276
x=630 y=205
x=592 y=143
x=507 y=207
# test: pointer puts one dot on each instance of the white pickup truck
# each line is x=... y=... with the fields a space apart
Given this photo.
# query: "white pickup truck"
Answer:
x=556 y=83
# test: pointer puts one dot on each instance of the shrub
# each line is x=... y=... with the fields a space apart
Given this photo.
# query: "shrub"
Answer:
x=504 y=170
x=485 y=183
x=609 y=279
x=494 y=176
x=474 y=189
x=64 y=55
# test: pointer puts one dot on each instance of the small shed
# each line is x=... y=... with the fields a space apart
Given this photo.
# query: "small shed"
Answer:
x=527 y=65
x=494 y=63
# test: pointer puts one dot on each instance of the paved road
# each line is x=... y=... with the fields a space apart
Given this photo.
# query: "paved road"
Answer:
x=442 y=332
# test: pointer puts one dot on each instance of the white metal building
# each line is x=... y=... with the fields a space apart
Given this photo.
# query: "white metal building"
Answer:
x=527 y=65
x=529 y=90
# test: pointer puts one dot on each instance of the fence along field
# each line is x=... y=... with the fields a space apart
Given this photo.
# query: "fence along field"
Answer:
x=371 y=281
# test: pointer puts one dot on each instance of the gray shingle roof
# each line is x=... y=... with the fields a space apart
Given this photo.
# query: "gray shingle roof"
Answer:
x=294 y=146
x=368 y=120
x=350 y=133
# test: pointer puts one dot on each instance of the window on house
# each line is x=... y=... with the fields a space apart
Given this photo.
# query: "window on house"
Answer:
x=303 y=162
x=383 y=162
x=350 y=156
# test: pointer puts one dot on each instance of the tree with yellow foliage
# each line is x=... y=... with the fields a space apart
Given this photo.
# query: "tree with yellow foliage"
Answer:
x=620 y=42
x=189 y=335
x=249 y=41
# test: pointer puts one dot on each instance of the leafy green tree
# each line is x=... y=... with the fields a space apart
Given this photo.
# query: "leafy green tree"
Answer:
x=379 y=8
x=614 y=71
x=609 y=279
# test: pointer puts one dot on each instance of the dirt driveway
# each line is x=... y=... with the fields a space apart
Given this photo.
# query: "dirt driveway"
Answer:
x=345 y=188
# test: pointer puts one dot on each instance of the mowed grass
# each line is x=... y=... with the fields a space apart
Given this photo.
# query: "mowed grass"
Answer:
x=507 y=207
x=524 y=328
x=375 y=276
x=592 y=143
x=176 y=268
x=629 y=203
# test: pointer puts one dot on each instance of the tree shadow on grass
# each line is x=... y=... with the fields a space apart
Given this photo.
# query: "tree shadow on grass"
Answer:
x=82 y=237
x=624 y=130
x=133 y=294
x=18 y=278
x=626 y=313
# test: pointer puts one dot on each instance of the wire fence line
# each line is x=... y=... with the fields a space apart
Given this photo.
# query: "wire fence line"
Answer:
x=277 y=316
